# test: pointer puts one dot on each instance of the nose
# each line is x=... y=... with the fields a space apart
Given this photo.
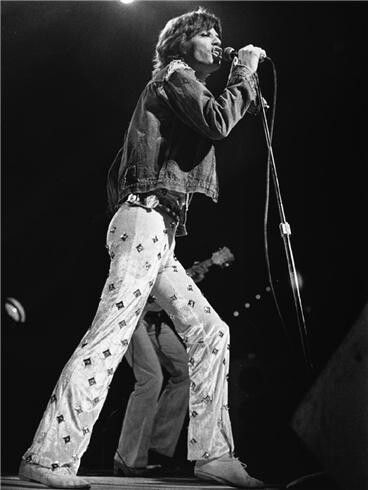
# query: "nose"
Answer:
x=216 y=41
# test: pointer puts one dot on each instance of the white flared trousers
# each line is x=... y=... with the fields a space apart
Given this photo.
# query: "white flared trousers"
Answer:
x=141 y=245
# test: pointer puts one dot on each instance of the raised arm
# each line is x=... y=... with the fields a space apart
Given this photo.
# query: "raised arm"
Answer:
x=197 y=107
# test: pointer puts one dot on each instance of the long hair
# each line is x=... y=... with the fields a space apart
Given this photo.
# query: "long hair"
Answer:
x=177 y=31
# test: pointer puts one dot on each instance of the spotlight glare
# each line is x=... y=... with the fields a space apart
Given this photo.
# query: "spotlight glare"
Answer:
x=299 y=281
x=126 y=1
x=15 y=310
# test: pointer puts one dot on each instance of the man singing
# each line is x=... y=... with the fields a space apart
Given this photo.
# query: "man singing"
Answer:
x=168 y=155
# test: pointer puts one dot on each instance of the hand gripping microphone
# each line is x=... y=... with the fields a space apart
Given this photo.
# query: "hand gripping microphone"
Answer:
x=228 y=55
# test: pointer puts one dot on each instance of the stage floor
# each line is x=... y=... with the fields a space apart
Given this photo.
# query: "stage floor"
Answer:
x=115 y=483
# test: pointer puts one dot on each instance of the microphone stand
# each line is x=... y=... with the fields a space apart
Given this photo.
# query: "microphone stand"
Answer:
x=285 y=231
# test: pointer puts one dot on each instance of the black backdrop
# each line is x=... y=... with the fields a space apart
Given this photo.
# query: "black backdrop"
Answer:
x=72 y=72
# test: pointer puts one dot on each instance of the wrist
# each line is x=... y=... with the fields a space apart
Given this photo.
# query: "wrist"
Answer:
x=237 y=62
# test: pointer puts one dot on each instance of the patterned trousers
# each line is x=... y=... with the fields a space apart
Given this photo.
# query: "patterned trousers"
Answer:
x=141 y=245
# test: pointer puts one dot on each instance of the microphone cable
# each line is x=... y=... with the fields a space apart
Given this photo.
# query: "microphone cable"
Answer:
x=267 y=197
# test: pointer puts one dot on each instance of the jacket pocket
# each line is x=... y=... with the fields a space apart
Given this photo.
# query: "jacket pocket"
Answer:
x=171 y=171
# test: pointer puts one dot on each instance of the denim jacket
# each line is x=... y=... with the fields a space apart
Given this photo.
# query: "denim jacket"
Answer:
x=170 y=139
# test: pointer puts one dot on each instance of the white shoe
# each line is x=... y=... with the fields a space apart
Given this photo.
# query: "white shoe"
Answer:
x=59 y=478
x=227 y=470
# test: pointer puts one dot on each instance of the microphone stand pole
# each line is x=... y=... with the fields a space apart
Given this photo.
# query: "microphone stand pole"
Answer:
x=285 y=231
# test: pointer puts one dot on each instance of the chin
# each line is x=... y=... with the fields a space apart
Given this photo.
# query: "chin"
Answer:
x=215 y=66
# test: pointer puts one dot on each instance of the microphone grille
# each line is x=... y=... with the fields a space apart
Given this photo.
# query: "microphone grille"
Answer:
x=228 y=54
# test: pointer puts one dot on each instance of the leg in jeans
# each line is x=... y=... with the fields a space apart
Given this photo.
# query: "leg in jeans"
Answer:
x=173 y=402
x=135 y=437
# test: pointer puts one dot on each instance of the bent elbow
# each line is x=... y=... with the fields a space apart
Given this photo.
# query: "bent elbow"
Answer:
x=220 y=135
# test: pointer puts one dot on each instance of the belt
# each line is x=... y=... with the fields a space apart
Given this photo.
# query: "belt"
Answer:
x=161 y=200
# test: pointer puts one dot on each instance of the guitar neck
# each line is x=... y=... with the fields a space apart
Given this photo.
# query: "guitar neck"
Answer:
x=203 y=266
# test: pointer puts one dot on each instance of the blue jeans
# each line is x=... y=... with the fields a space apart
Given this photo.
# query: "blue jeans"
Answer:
x=141 y=244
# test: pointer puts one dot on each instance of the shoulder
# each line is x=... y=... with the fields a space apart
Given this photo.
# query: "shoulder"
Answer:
x=176 y=66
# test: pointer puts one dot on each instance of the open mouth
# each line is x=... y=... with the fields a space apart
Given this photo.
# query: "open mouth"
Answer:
x=217 y=52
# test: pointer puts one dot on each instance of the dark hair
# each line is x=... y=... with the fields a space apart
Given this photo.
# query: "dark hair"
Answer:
x=170 y=44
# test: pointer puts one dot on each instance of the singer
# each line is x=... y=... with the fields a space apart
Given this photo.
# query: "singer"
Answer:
x=168 y=155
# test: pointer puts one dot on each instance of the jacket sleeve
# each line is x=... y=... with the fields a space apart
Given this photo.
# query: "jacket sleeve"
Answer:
x=196 y=106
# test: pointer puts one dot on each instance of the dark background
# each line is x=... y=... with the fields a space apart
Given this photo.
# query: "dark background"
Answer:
x=71 y=75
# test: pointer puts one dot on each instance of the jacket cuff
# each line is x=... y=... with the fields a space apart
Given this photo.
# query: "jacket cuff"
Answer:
x=240 y=73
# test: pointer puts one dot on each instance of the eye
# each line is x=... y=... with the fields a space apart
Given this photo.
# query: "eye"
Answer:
x=205 y=34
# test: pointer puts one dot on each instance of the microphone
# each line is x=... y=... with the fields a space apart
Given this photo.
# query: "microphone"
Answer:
x=229 y=54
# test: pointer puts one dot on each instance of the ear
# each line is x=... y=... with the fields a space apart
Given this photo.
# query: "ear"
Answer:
x=184 y=48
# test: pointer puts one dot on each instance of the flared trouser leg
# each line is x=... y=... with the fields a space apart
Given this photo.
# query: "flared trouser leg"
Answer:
x=139 y=241
x=206 y=337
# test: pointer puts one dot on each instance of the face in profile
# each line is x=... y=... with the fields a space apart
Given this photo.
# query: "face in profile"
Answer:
x=203 y=52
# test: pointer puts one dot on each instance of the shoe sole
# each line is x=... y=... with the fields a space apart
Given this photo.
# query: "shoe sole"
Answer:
x=210 y=477
x=27 y=478
x=202 y=475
